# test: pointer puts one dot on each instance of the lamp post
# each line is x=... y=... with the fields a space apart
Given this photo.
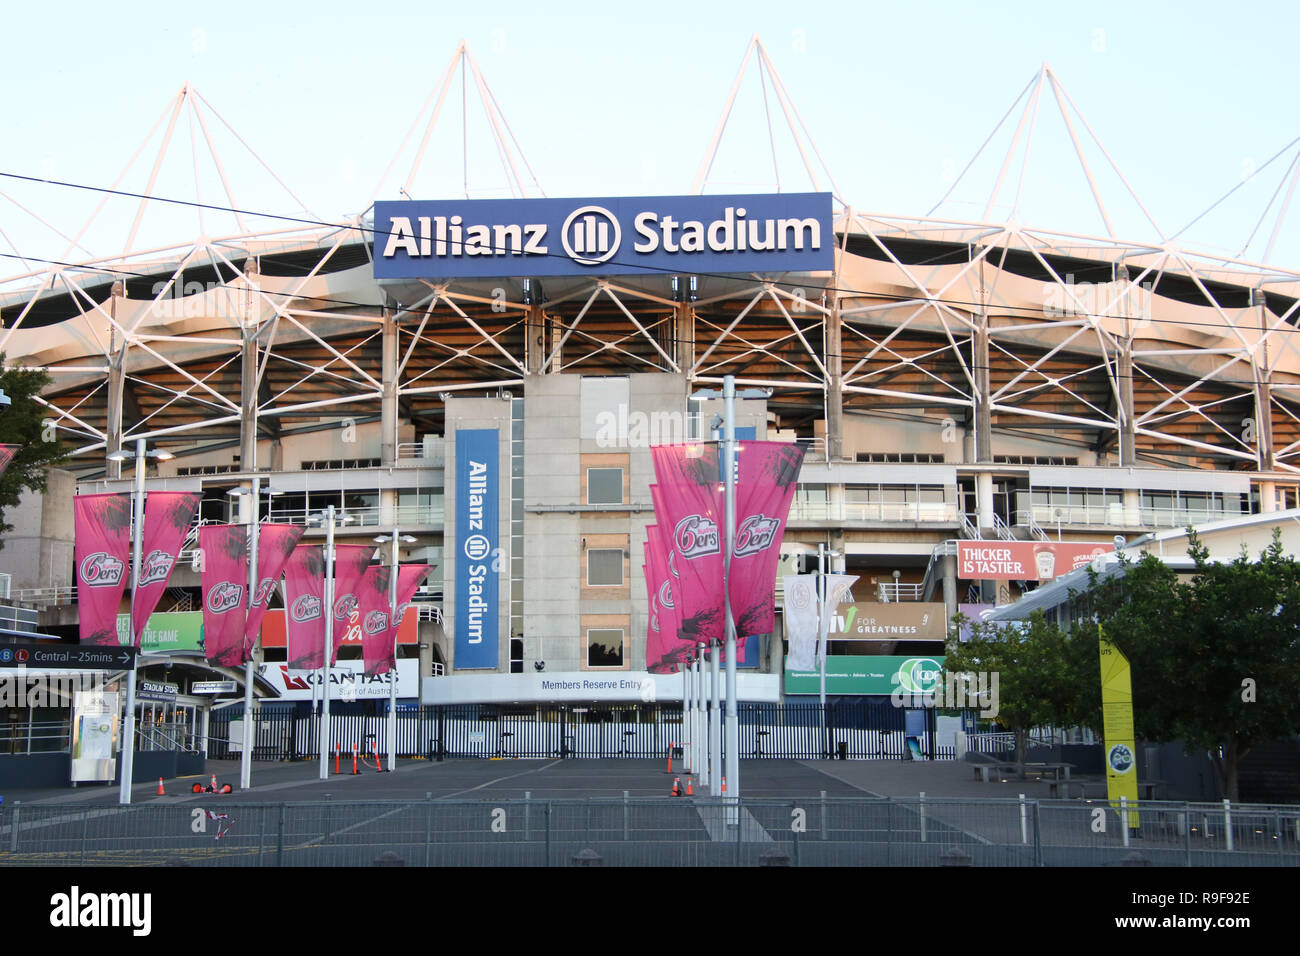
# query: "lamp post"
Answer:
x=137 y=540
x=253 y=494
x=328 y=519
x=395 y=538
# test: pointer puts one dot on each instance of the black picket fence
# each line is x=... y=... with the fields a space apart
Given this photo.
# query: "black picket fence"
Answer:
x=856 y=729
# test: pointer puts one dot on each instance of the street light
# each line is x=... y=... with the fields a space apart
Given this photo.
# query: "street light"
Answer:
x=137 y=543
x=395 y=538
x=328 y=519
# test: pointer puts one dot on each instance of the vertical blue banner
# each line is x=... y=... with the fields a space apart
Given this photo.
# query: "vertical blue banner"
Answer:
x=477 y=477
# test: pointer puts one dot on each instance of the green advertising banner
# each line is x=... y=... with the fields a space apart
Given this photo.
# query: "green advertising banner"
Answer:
x=869 y=674
x=166 y=632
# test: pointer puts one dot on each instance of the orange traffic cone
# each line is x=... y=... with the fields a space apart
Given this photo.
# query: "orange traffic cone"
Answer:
x=690 y=790
x=214 y=783
x=161 y=791
x=724 y=784
x=671 y=744
x=677 y=787
x=354 y=760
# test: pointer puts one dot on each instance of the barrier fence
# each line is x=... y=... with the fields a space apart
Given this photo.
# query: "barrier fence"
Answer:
x=855 y=729
x=816 y=831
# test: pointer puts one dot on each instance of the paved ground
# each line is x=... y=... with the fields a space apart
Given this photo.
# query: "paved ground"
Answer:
x=469 y=779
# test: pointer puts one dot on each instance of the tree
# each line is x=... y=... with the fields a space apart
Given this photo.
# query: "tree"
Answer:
x=25 y=424
x=1215 y=658
x=1036 y=673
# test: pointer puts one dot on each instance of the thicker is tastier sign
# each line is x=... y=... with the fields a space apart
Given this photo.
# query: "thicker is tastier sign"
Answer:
x=1024 y=560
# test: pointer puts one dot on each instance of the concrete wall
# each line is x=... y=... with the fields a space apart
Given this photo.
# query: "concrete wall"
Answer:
x=38 y=552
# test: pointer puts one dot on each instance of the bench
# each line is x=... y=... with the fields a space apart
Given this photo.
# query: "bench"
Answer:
x=984 y=764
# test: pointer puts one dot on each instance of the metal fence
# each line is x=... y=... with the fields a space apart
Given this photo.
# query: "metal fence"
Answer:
x=816 y=831
x=858 y=728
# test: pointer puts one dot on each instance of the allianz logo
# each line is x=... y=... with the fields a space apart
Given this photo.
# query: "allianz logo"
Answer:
x=591 y=235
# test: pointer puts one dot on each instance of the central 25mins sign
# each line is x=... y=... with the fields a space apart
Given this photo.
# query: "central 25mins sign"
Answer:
x=787 y=232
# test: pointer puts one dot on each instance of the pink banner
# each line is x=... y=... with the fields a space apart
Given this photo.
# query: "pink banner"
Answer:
x=7 y=453
x=654 y=648
x=304 y=601
x=373 y=608
x=673 y=648
x=167 y=519
x=350 y=563
x=379 y=650
x=690 y=510
x=102 y=553
x=765 y=485
x=224 y=580
x=275 y=543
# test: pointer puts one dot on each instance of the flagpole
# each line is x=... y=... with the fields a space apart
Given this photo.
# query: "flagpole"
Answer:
x=392 y=678
x=250 y=736
x=137 y=543
x=327 y=613
x=821 y=639
x=729 y=475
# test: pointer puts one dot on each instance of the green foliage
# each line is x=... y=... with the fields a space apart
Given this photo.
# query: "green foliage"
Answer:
x=23 y=423
x=1037 y=685
x=1193 y=643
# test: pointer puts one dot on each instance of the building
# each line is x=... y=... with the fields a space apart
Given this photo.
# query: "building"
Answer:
x=952 y=380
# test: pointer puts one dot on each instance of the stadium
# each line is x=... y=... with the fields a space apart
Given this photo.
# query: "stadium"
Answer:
x=952 y=379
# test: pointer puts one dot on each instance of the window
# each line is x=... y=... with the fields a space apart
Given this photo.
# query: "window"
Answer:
x=604 y=486
x=516 y=656
x=604 y=647
x=605 y=567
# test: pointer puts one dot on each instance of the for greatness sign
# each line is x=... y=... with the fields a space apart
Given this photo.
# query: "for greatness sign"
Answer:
x=901 y=621
x=1024 y=560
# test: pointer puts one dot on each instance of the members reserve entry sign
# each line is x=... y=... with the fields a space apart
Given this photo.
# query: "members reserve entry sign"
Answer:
x=786 y=232
x=477 y=467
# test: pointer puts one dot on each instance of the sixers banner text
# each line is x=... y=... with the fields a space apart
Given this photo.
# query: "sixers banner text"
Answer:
x=789 y=232
x=477 y=467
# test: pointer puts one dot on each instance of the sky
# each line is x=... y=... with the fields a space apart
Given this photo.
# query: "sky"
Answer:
x=1189 y=100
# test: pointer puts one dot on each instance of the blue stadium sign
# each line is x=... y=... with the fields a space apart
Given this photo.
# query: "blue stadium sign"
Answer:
x=476 y=556
x=787 y=232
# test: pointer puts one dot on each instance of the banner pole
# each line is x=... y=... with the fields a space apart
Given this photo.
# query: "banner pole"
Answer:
x=821 y=642
x=137 y=541
x=246 y=753
x=715 y=727
x=328 y=617
x=729 y=475
x=392 y=678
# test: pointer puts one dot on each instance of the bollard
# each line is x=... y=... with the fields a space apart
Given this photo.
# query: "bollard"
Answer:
x=428 y=823
x=1227 y=823
x=1123 y=818
x=1024 y=821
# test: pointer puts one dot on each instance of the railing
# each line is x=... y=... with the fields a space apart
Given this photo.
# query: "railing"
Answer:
x=920 y=511
x=40 y=736
x=430 y=612
x=894 y=592
x=46 y=597
x=404 y=516
x=856 y=831
x=431 y=454
x=1114 y=515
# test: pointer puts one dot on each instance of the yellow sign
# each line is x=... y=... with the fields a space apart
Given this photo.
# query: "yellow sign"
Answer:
x=1117 y=725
